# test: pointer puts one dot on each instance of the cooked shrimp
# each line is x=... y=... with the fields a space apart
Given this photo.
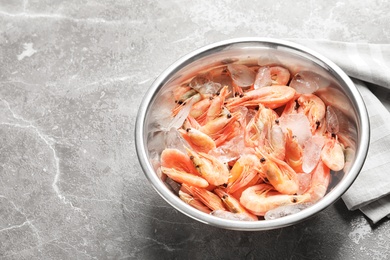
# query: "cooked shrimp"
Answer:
x=183 y=92
x=314 y=108
x=272 y=97
x=200 y=108
x=194 y=202
x=244 y=172
x=191 y=122
x=174 y=158
x=190 y=95
x=209 y=167
x=232 y=204
x=224 y=127
x=198 y=140
x=218 y=125
x=294 y=152
x=237 y=90
x=208 y=198
x=259 y=126
x=261 y=198
x=232 y=130
x=279 y=174
x=291 y=107
x=273 y=75
x=185 y=177
x=332 y=154
x=217 y=104
x=279 y=75
x=320 y=179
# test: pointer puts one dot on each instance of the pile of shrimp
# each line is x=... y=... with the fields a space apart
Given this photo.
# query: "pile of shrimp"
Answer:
x=254 y=140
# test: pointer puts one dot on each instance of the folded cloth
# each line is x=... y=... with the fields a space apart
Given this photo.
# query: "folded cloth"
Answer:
x=367 y=64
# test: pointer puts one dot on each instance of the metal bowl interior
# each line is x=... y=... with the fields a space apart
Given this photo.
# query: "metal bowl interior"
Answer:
x=153 y=117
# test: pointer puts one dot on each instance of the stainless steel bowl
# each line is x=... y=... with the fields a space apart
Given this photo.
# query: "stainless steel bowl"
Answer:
x=340 y=93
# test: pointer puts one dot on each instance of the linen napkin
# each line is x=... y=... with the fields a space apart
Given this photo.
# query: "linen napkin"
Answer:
x=369 y=67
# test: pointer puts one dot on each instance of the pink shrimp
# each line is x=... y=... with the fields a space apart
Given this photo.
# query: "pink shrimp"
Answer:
x=233 y=205
x=279 y=174
x=208 y=198
x=198 y=140
x=174 y=158
x=194 y=202
x=200 y=108
x=209 y=167
x=320 y=179
x=274 y=75
x=183 y=92
x=291 y=107
x=279 y=75
x=332 y=154
x=272 y=97
x=217 y=104
x=294 y=152
x=192 y=95
x=261 y=198
x=244 y=172
x=224 y=127
x=314 y=108
x=191 y=122
x=185 y=177
x=231 y=131
x=217 y=126
x=259 y=126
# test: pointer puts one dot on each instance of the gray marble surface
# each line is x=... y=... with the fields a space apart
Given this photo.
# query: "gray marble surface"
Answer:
x=72 y=74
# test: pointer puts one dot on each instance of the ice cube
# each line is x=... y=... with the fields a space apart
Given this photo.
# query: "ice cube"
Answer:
x=312 y=153
x=161 y=117
x=241 y=75
x=179 y=119
x=298 y=124
x=304 y=181
x=204 y=85
x=306 y=82
x=263 y=78
x=332 y=122
x=287 y=210
x=230 y=215
x=230 y=150
x=156 y=142
x=221 y=76
x=173 y=139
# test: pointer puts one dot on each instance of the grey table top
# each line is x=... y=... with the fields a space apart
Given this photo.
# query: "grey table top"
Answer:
x=72 y=75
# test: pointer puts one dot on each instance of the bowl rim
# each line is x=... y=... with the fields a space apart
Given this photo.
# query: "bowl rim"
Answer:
x=172 y=199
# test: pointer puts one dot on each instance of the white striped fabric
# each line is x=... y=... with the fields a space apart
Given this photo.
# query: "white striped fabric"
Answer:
x=369 y=63
x=355 y=58
x=377 y=209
